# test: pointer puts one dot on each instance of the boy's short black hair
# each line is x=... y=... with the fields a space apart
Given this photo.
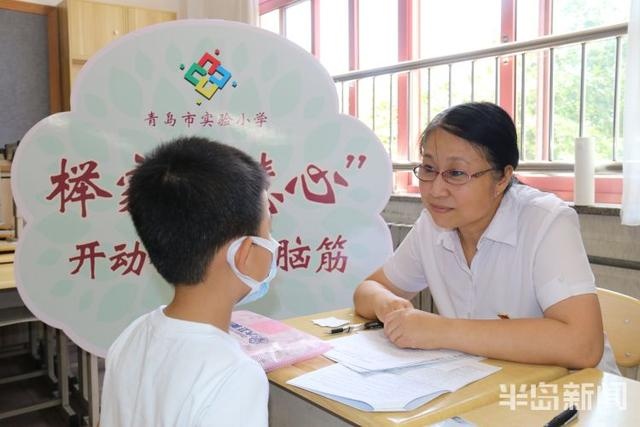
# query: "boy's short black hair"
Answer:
x=188 y=198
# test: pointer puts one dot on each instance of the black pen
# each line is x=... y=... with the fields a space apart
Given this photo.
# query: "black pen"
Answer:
x=564 y=417
x=374 y=324
x=339 y=330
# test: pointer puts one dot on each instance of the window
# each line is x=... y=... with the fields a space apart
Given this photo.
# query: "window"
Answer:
x=333 y=46
x=575 y=15
x=298 y=24
x=271 y=21
x=444 y=30
x=528 y=22
x=540 y=89
x=600 y=78
x=378 y=97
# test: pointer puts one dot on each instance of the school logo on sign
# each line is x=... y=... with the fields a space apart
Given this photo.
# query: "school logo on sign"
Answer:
x=208 y=75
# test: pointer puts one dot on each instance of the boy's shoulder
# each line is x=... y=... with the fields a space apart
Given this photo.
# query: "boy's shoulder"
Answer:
x=147 y=318
x=155 y=331
x=136 y=324
x=142 y=319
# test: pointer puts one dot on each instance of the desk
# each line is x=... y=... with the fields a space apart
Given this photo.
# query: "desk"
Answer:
x=290 y=405
x=601 y=404
x=6 y=246
x=7 y=280
x=6 y=257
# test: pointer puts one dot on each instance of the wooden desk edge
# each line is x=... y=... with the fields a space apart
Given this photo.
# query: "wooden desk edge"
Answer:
x=425 y=413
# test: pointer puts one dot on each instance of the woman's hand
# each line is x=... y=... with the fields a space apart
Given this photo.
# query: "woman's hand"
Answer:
x=412 y=328
x=377 y=296
x=386 y=302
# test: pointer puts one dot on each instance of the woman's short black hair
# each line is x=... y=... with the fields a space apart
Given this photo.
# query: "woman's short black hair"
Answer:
x=188 y=198
x=483 y=124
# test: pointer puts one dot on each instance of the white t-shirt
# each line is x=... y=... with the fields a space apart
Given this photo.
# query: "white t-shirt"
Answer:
x=167 y=372
x=530 y=257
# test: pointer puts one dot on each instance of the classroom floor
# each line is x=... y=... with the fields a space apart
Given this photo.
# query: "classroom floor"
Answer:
x=32 y=391
x=27 y=392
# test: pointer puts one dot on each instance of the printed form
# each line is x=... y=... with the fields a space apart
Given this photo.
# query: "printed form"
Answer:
x=372 y=374
x=397 y=390
x=372 y=351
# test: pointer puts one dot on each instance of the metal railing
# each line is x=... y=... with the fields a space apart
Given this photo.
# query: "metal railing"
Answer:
x=546 y=45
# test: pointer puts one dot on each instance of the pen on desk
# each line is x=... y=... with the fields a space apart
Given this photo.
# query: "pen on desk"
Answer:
x=564 y=417
x=374 y=324
x=339 y=330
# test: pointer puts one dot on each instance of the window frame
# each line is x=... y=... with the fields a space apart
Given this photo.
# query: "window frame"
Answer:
x=408 y=43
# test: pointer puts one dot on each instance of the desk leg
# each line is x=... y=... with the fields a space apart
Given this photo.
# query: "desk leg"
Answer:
x=288 y=410
x=83 y=372
x=49 y=349
x=83 y=383
x=94 y=391
x=38 y=343
x=33 y=342
x=63 y=373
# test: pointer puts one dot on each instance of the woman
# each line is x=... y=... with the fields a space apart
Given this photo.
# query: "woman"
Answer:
x=504 y=262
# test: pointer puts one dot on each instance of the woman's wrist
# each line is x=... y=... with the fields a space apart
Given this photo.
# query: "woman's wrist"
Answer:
x=443 y=333
x=380 y=299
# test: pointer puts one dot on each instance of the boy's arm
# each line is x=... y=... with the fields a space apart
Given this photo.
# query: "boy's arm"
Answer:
x=570 y=334
x=377 y=296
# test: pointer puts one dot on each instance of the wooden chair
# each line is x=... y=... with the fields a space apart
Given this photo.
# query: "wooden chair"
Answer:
x=621 y=319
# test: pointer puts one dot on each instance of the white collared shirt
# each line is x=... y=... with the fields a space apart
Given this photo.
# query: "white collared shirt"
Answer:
x=530 y=257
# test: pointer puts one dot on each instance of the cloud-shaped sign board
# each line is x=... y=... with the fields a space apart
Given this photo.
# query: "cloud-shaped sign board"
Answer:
x=79 y=263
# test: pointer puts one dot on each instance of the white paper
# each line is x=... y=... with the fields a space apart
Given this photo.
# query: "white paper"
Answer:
x=402 y=390
x=454 y=422
x=372 y=351
x=584 y=172
x=331 y=322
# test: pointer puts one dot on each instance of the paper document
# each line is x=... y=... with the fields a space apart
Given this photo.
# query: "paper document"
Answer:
x=331 y=322
x=397 y=390
x=372 y=351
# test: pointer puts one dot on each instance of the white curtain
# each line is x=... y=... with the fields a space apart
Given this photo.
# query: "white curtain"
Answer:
x=232 y=10
x=631 y=164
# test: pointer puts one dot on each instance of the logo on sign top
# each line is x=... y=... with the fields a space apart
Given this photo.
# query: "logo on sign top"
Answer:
x=208 y=76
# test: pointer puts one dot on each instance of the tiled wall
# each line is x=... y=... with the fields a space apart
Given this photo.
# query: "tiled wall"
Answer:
x=604 y=236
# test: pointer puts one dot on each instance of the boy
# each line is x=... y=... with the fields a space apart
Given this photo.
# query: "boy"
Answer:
x=200 y=209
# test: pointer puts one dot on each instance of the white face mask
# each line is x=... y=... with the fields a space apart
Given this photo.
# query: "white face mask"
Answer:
x=258 y=289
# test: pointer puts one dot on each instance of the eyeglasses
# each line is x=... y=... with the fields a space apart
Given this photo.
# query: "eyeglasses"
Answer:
x=452 y=176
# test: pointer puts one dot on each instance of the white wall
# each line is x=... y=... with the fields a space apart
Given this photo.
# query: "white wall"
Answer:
x=171 y=5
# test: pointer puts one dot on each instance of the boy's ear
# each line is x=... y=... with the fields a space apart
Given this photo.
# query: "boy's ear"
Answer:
x=243 y=254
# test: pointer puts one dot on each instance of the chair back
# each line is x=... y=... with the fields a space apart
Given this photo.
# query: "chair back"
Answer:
x=621 y=319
